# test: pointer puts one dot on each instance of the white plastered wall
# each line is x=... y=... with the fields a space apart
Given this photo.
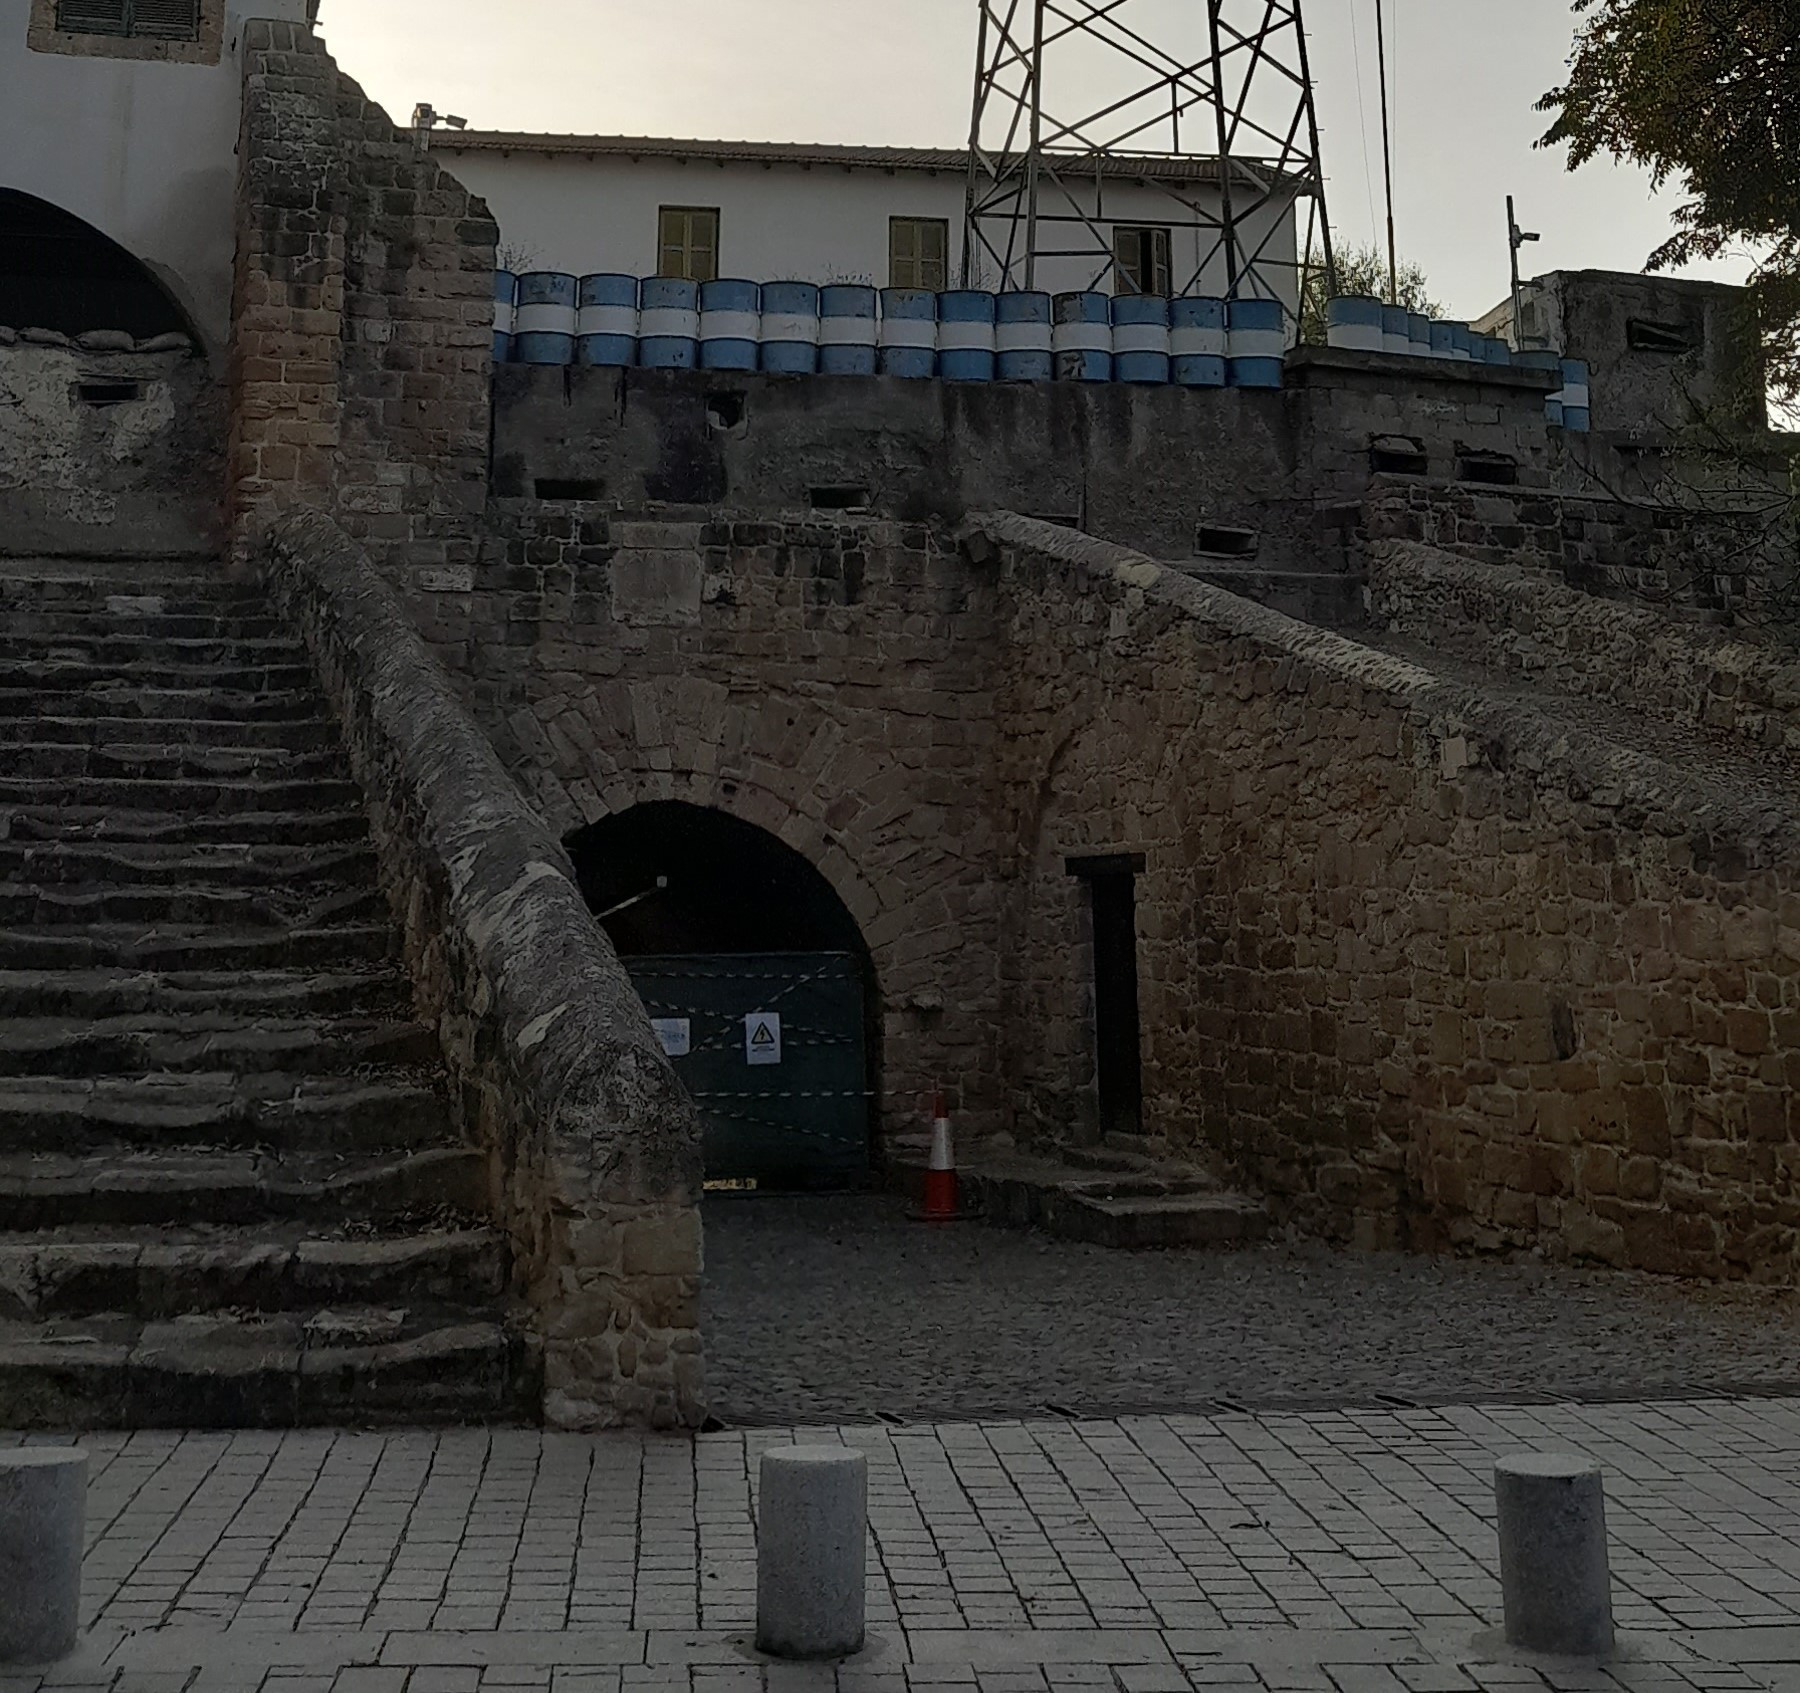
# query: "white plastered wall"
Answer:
x=144 y=151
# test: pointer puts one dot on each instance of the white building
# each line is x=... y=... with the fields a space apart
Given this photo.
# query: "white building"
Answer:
x=783 y=211
x=122 y=114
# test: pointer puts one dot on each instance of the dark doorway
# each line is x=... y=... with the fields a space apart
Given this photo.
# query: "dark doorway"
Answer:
x=57 y=272
x=1118 y=1060
x=757 y=978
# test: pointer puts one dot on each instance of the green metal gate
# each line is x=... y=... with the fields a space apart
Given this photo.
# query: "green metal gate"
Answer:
x=771 y=1046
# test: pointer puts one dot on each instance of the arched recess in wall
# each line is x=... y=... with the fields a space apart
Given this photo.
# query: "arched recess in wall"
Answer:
x=760 y=981
x=59 y=272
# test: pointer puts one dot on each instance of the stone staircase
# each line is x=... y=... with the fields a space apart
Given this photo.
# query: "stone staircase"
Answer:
x=230 y=1191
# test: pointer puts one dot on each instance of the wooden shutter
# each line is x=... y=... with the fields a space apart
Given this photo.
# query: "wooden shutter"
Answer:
x=166 y=20
x=94 y=17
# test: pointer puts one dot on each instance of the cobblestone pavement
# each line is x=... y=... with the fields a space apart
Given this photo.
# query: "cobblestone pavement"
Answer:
x=842 y=1309
x=1337 y=1552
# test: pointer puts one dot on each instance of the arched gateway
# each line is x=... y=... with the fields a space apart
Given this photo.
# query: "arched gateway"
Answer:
x=758 y=980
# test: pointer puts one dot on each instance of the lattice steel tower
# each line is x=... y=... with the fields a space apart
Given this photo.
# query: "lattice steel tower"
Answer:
x=1072 y=96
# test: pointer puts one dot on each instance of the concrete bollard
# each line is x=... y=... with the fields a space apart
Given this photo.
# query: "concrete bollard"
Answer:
x=43 y=1515
x=1554 y=1573
x=811 y=1539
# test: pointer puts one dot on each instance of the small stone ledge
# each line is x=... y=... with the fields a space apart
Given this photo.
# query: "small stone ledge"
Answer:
x=1458 y=729
x=594 y=1143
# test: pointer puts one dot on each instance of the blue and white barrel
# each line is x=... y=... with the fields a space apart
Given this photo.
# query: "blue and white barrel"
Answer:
x=847 y=330
x=1418 y=330
x=1396 y=329
x=1140 y=338
x=1022 y=339
x=908 y=332
x=1256 y=343
x=668 y=323
x=730 y=324
x=1575 y=396
x=1443 y=340
x=544 y=323
x=965 y=335
x=1197 y=341
x=1462 y=343
x=607 y=331
x=1537 y=358
x=790 y=328
x=506 y=299
x=1354 y=321
x=1081 y=338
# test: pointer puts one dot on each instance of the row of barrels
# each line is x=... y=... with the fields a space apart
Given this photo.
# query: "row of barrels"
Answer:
x=965 y=335
x=1369 y=326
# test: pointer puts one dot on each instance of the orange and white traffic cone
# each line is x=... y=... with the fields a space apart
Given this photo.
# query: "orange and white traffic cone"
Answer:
x=941 y=1204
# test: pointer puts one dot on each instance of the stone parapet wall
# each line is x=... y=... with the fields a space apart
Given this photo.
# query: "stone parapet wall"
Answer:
x=1427 y=968
x=557 y=1073
x=362 y=315
x=1739 y=687
x=1657 y=554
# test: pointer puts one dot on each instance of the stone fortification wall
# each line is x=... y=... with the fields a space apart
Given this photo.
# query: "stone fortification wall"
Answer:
x=1427 y=968
x=1740 y=687
x=595 y=1145
x=106 y=446
x=1146 y=465
x=826 y=681
x=362 y=316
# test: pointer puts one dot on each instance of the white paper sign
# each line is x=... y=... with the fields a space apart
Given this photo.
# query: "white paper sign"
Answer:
x=676 y=1035
x=762 y=1037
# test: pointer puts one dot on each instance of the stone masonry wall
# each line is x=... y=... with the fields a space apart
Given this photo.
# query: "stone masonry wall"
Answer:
x=594 y=1144
x=362 y=317
x=1733 y=687
x=1428 y=969
x=828 y=682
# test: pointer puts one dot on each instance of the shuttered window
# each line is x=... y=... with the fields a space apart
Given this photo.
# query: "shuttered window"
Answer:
x=1143 y=259
x=146 y=20
x=687 y=241
x=919 y=253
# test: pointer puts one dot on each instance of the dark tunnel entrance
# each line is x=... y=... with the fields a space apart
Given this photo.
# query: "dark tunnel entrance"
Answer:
x=58 y=272
x=758 y=981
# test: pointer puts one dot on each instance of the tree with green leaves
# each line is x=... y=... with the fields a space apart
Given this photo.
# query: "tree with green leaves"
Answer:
x=1705 y=93
x=1361 y=270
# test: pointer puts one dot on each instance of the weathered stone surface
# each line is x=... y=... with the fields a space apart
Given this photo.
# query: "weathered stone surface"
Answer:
x=563 y=1081
x=43 y=1512
x=1554 y=1572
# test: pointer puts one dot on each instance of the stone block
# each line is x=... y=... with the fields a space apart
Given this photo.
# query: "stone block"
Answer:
x=43 y=1508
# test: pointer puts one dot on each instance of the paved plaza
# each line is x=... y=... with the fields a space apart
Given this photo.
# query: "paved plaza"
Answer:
x=842 y=1309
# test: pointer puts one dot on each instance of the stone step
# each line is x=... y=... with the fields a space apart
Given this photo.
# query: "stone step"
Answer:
x=255 y=1371
x=31 y=906
x=44 y=676
x=1139 y=1221
x=284 y=1112
x=95 y=824
x=176 y=864
x=203 y=1185
x=158 y=1274
x=216 y=1040
x=297 y=734
x=126 y=648
x=195 y=947
x=373 y=990
x=151 y=616
x=38 y=575
x=189 y=794
x=144 y=760
x=108 y=697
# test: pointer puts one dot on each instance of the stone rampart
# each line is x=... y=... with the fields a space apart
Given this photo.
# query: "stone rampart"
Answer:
x=1740 y=687
x=595 y=1145
x=1428 y=967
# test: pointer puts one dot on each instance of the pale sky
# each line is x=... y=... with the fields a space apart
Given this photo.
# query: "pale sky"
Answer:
x=1464 y=77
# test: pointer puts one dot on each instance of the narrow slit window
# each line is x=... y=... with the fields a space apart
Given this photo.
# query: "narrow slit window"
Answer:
x=919 y=253
x=1141 y=255
x=1118 y=1058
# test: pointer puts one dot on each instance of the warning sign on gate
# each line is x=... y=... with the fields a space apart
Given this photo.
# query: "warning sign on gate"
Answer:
x=762 y=1037
x=676 y=1035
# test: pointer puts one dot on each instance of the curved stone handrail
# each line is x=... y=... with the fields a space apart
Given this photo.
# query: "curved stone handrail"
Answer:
x=595 y=1143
